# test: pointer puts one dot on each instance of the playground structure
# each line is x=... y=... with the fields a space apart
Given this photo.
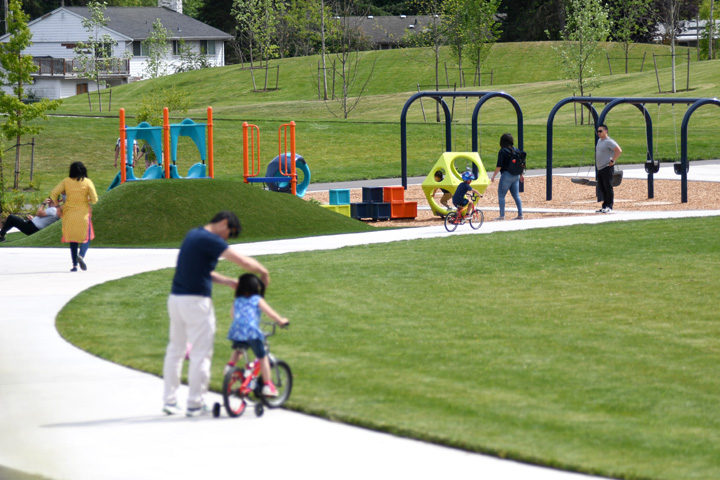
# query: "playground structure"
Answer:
x=164 y=143
x=651 y=165
x=447 y=164
x=281 y=174
x=447 y=161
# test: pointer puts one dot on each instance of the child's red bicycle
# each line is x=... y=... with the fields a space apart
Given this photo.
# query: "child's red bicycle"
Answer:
x=476 y=217
x=242 y=385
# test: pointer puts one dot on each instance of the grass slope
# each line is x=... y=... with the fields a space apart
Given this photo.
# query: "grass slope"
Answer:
x=367 y=145
x=158 y=213
x=555 y=351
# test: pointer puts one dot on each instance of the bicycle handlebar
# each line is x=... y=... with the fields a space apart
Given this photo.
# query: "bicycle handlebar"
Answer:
x=274 y=327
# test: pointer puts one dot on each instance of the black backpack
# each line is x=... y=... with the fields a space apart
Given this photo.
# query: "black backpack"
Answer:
x=515 y=163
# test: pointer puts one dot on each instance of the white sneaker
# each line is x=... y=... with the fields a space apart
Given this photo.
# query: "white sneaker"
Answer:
x=269 y=390
x=171 y=409
x=198 y=411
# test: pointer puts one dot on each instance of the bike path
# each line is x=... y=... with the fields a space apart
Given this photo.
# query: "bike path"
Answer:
x=66 y=414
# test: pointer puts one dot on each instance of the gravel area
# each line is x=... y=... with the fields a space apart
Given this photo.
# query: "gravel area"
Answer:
x=568 y=199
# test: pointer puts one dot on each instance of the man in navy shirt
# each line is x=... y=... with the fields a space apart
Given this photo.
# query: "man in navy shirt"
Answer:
x=192 y=316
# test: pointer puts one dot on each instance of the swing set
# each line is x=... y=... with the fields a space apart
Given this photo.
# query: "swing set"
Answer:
x=652 y=165
x=439 y=97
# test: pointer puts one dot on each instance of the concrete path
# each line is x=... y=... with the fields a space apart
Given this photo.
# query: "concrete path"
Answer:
x=66 y=414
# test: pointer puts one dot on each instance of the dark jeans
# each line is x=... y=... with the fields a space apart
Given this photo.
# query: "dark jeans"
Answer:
x=605 y=177
x=25 y=226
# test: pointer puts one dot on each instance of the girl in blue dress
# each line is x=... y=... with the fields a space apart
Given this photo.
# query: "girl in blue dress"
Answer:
x=245 y=328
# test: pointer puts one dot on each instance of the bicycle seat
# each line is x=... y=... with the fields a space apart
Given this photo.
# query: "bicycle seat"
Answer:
x=240 y=345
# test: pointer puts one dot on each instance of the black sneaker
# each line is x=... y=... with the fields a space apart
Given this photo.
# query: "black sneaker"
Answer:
x=81 y=262
x=2 y=238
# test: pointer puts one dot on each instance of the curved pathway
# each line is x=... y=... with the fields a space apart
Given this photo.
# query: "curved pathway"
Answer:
x=66 y=414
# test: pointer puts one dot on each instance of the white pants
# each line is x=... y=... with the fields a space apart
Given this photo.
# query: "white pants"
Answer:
x=192 y=320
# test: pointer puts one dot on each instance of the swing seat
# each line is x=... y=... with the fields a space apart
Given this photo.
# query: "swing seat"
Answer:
x=616 y=180
x=652 y=166
x=678 y=168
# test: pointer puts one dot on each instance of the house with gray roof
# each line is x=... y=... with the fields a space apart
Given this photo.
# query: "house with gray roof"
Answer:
x=56 y=34
x=387 y=32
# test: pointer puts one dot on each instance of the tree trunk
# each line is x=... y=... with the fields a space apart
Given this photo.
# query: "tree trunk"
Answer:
x=16 y=181
x=672 y=52
x=712 y=31
x=97 y=81
x=252 y=72
x=322 y=34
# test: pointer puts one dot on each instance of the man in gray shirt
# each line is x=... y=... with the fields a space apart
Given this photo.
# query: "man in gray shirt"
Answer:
x=46 y=215
x=607 y=152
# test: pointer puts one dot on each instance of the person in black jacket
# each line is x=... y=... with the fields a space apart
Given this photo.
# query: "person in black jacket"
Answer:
x=508 y=180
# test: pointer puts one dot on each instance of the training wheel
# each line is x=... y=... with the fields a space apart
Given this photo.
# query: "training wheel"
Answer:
x=216 y=410
x=259 y=410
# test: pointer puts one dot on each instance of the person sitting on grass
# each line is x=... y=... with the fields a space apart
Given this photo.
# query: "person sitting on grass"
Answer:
x=46 y=215
x=245 y=328
x=459 y=199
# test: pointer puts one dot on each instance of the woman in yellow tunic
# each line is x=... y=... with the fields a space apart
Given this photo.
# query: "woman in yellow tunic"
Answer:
x=79 y=194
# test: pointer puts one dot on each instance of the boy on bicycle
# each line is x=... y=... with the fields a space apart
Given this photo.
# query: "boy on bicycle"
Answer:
x=463 y=204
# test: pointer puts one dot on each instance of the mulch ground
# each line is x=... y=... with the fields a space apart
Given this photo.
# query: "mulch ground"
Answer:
x=568 y=199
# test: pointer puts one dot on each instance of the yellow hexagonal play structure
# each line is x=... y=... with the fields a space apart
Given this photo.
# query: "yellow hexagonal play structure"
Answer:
x=446 y=164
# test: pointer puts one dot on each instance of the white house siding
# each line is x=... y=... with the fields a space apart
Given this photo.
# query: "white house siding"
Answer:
x=138 y=64
x=46 y=88
x=56 y=35
x=66 y=28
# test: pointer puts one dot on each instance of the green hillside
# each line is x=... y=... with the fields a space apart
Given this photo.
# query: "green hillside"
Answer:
x=367 y=144
x=159 y=213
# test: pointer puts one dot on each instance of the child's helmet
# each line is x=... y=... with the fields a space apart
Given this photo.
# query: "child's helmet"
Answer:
x=468 y=176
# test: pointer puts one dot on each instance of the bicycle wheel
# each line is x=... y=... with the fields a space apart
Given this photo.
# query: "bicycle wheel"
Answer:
x=283 y=380
x=451 y=221
x=477 y=219
x=234 y=401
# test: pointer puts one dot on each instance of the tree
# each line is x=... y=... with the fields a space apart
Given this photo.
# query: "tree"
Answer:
x=471 y=29
x=16 y=70
x=587 y=25
x=628 y=22
x=191 y=59
x=433 y=35
x=157 y=48
x=529 y=20
x=258 y=21
x=670 y=12
x=347 y=65
x=707 y=12
x=95 y=56
x=481 y=30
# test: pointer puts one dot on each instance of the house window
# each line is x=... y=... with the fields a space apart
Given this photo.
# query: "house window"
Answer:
x=81 y=88
x=103 y=50
x=207 y=47
x=176 y=47
x=139 y=49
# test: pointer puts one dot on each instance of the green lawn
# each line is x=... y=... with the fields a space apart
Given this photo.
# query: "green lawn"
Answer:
x=590 y=348
x=367 y=145
x=544 y=346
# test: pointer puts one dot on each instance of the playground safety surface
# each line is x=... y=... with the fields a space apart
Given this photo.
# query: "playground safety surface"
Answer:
x=570 y=199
